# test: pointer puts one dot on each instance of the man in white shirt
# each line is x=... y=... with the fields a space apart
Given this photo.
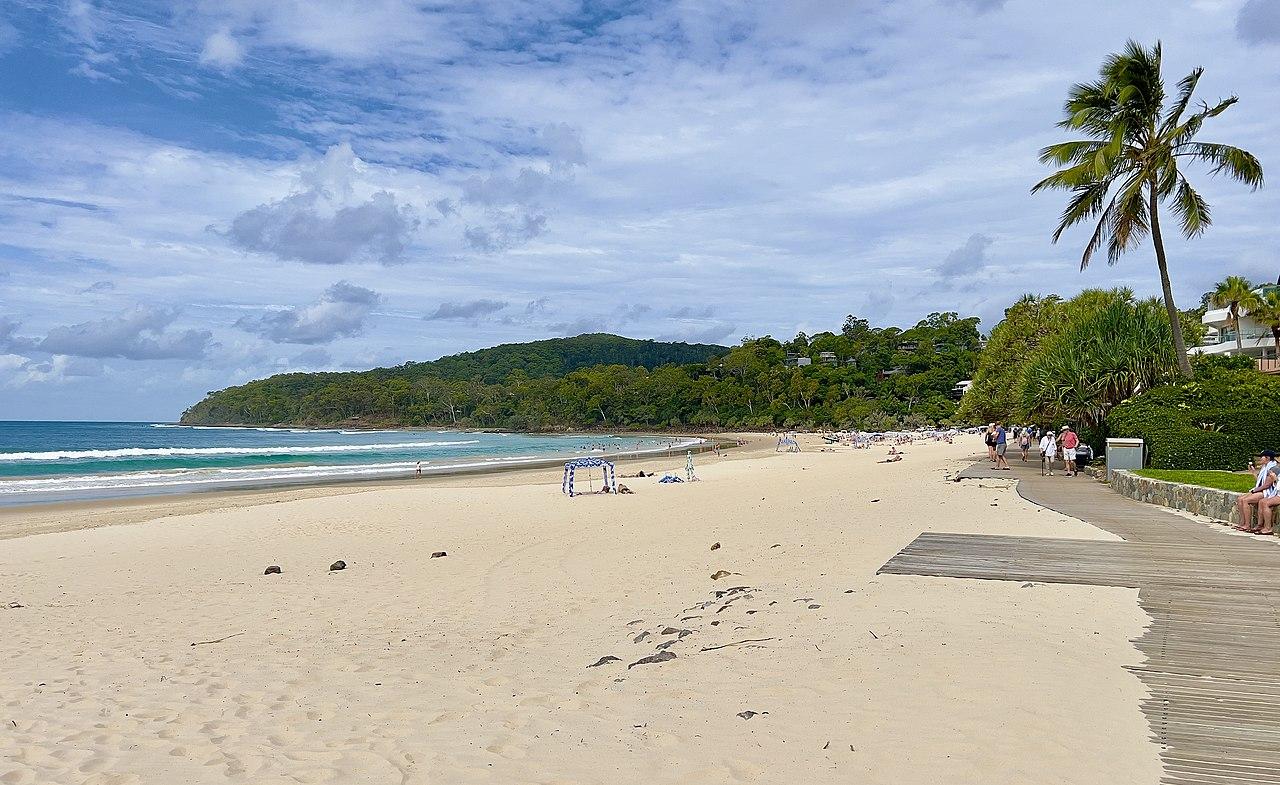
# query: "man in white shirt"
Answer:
x=1266 y=481
x=1048 y=452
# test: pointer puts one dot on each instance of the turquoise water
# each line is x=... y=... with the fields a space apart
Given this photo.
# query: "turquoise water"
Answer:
x=62 y=461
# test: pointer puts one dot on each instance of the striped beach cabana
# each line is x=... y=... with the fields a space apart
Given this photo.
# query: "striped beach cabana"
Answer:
x=571 y=469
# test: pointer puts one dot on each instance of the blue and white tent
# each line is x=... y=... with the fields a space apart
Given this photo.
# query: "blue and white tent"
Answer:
x=571 y=468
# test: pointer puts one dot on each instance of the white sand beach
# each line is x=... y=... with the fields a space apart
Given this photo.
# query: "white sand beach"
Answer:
x=473 y=668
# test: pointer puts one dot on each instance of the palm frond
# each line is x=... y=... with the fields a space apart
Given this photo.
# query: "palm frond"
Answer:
x=1071 y=178
x=1084 y=204
x=1103 y=230
x=1069 y=152
x=1131 y=219
x=1186 y=88
x=1237 y=164
x=1192 y=210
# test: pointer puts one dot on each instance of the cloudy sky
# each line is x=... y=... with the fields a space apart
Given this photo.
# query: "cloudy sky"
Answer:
x=194 y=193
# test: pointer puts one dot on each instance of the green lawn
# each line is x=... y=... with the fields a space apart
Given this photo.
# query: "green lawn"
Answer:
x=1227 y=481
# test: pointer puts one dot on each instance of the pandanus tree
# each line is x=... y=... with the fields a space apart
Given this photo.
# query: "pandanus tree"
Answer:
x=1111 y=353
x=1236 y=295
x=1131 y=162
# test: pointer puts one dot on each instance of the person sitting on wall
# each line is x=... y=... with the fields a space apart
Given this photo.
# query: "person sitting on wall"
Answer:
x=1271 y=500
x=1246 y=502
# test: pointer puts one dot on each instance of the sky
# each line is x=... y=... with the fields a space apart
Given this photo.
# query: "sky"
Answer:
x=196 y=193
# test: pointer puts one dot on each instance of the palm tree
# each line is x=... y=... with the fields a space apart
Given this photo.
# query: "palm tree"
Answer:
x=1129 y=165
x=1236 y=295
x=1266 y=311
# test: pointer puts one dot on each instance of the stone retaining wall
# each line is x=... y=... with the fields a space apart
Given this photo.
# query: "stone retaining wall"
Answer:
x=1209 y=502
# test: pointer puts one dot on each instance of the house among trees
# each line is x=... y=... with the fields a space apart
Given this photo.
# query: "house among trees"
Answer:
x=1242 y=321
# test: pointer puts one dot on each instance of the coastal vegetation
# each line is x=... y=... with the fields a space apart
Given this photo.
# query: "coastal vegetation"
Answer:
x=1218 y=420
x=862 y=376
x=1130 y=163
x=1222 y=480
x=1055 y=360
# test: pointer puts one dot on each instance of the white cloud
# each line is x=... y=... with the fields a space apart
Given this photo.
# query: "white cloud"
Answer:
x=466 y=310
x=324 y=223
x=139 y=333
x=18 y=371
x=341 y=312
x=968 y=259
x=221 y=50
x=1258 y=22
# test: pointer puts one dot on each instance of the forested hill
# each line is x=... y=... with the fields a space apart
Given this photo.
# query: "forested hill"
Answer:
x=556 y=357
x=278 y=399
x=863 y=377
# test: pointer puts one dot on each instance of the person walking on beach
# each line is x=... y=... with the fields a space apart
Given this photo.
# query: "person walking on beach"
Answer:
x=1048 y=452
x=417 y=470
x=1069 y=444
x=990 y=438
x=1024 y=442
x=1002 y=443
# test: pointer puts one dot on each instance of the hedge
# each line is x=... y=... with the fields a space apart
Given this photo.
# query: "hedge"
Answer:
x=1219 y=421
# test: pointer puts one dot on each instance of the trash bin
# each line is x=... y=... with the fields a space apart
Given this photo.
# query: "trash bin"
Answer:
x=1123 y=454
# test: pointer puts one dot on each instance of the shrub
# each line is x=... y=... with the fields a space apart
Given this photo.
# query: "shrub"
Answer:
x=1218 y=421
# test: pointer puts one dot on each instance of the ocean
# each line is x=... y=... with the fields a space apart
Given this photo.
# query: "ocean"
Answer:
x=70 y=461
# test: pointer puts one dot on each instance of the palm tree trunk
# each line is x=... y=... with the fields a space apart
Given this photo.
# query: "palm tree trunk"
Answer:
x=1175 y=323
x=1235 y=320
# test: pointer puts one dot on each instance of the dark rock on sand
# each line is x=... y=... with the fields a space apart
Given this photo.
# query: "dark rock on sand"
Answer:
x=640 y=637
x=603 y=660
x=439 y=555
x=814 y=607
x=272 y=570
x=748 y=714
x=338 y=565
x=715 y=546
x=654 y=659
x=718 y=574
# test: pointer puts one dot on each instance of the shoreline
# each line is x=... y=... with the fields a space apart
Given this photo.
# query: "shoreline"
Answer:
x=23 y=520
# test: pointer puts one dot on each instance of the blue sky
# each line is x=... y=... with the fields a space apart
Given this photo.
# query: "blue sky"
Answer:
x=194 y=194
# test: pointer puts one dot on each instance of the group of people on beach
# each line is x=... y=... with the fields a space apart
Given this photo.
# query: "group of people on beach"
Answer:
x=1263 y=498
x=1062 y=445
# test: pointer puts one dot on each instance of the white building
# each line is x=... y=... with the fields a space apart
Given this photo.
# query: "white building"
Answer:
x=1256 y=340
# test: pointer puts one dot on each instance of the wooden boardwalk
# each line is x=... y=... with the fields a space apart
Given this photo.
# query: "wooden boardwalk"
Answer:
x=1212 y=650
